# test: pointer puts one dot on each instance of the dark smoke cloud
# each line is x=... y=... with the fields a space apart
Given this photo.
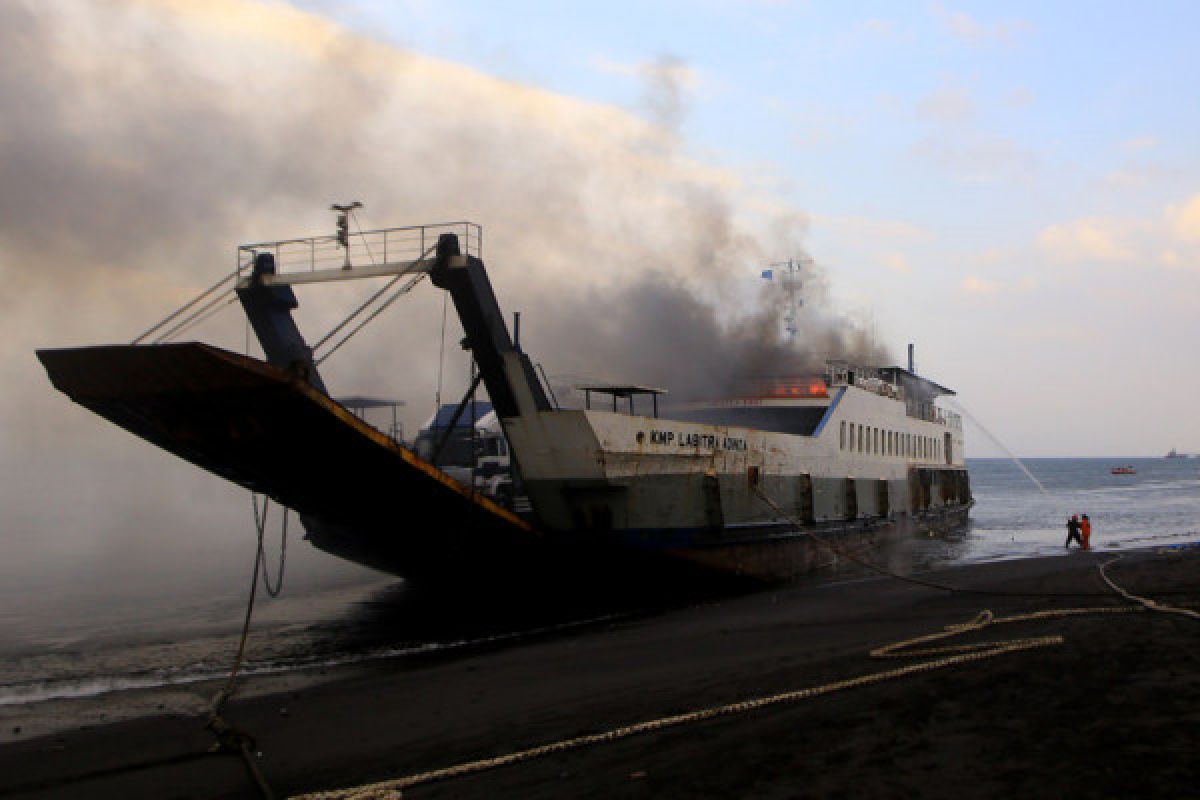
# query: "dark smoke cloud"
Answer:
x=656 y=332
x=665 y=82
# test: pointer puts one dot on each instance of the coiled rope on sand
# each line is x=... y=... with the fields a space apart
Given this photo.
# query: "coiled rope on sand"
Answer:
x=947 y=655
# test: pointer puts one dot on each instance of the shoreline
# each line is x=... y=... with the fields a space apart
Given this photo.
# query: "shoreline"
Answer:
x=382 y=719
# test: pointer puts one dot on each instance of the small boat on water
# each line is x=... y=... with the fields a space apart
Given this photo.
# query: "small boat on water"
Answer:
x=1125 y=470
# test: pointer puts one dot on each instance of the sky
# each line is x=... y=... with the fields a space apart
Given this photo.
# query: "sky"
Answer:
x=1014 y=188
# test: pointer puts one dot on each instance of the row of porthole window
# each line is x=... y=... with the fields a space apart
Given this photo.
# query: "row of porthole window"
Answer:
x=865 y=439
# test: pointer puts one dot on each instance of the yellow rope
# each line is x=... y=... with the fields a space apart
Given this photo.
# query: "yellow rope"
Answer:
x=948 y=655
x=389 y=788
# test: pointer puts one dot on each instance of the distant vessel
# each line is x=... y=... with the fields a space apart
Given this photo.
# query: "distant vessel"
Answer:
x=1175 y=454
x=744 y=487
x=1125 y=470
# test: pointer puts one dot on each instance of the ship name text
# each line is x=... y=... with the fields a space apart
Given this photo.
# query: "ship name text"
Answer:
x=710 y=441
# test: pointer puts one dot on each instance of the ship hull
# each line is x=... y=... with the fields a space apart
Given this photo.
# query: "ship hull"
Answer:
x=615 y=500
x=611 y=561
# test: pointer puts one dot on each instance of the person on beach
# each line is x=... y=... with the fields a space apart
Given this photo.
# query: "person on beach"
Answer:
x=1073 y=530
x=1085 y=530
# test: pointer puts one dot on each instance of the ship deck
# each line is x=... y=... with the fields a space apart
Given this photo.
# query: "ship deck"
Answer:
x=273 y=433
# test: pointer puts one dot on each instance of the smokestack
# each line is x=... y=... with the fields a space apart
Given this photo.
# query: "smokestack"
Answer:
x=912 y=366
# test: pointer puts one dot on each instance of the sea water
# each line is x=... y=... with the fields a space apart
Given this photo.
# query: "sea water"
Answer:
x=100 y=639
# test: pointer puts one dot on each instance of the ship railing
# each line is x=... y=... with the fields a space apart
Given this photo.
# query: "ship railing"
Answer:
x=932 y=413
x=363 y=251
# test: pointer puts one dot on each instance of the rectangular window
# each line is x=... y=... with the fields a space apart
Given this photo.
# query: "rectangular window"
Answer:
x=860 y=439
x=842 y=437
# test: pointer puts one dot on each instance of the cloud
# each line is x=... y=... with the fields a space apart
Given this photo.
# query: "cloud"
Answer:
x=1020 y=97
x=971 y=31
x=973 y=284
x=976 y=157
x=1184 y=219
x=1085 y=240
x=1139 y=143
x=946 y=104
x=1172 y=239
x=875 y=228
x=897 y=262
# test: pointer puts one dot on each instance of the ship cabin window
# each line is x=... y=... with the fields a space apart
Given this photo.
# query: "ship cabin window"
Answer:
x=860 y=438
x=889 y=443
x=850 y=442
x=842 y=436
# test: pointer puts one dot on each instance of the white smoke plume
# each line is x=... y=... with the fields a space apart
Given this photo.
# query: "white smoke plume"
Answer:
x=140 y=141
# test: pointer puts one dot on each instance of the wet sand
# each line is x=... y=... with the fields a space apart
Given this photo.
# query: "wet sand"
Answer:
x=1114 y=711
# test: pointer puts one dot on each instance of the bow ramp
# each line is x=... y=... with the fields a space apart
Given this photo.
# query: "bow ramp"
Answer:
x=270 y=431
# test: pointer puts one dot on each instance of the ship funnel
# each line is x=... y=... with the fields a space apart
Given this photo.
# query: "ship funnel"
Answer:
x=912 y=366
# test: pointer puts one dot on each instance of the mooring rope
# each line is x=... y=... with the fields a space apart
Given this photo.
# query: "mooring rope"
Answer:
x=947 y=655
x=231 y=739
x=260 y=526
x=1146 y=602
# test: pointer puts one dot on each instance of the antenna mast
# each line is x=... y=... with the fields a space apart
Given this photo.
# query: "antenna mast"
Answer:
x=790 y=270
x=343 y=227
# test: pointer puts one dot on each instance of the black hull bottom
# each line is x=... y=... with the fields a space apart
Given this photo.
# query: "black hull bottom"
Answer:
x=609 y=561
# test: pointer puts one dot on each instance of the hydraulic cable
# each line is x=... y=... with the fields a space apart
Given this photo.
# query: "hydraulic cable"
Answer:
x=177 y=312
x=194 y=316
x=347 y=320
x=403 y=290
x=197 y=321
x=350 y=317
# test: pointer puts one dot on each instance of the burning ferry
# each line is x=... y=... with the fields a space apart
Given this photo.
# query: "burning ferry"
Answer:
x=751 y=487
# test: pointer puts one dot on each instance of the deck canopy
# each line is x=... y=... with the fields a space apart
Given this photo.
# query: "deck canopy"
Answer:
x=627 y=391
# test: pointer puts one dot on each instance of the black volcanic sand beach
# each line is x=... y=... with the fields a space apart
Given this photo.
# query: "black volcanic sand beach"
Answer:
x=1114 y=711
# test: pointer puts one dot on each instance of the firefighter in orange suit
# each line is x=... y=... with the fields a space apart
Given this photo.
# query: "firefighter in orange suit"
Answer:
x=1085 y=529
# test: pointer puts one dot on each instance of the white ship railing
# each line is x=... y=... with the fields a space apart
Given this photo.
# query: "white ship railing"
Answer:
x=377 y=251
